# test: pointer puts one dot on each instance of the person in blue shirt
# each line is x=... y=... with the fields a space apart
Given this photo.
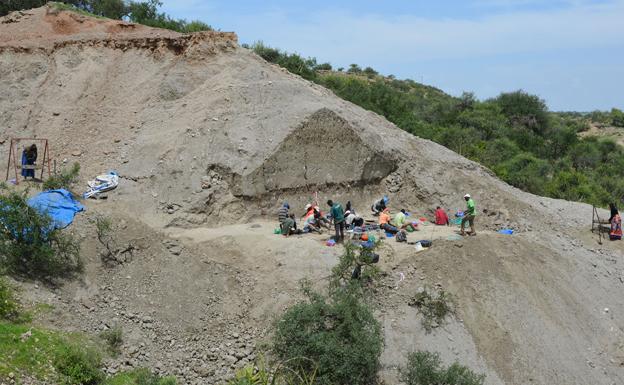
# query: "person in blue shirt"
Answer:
x=337 y=214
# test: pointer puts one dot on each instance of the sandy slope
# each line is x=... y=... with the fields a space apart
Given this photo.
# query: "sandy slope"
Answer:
x=209 y=139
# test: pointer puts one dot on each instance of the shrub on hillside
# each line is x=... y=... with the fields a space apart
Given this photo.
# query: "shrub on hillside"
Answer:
x=28 y=244
x=337 y=338
x=435 y=307
x=66 y=179
x=113 y=338
x=259 y=374
x=79 y=365
x=425 y=368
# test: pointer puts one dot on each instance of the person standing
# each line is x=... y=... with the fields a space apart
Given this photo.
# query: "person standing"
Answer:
x=337 y=214
x=469 y=216
x=29 y=158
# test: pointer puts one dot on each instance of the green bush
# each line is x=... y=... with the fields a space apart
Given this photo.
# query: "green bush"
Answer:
x=113 y=338
x=425 y=368
x=435 y=307
x=66 y=179
x=27 y=245
x=617 y=117
x=79 y=364
x=336 y=338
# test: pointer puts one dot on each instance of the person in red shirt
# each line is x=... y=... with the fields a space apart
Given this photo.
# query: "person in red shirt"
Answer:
x=440 y=217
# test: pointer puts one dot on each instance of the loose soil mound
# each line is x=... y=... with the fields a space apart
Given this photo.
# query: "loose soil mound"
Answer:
x=208 y=138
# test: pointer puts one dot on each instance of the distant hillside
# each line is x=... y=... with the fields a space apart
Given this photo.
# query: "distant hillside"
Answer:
x=514 y=134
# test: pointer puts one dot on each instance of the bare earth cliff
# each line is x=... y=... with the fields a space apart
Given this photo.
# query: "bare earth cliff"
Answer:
x=209 y=139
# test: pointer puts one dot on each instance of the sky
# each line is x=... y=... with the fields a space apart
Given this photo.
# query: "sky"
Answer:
x=568 y=52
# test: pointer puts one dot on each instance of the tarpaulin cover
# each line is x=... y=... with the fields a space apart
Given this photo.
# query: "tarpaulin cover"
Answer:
x=60 y=205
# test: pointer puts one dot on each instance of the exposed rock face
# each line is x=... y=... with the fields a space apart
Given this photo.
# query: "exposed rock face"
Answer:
x=323 y=150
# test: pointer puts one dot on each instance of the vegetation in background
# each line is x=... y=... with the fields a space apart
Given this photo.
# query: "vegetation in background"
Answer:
x=29 y=246
x=425 y=368
x=435 y=307
x=66 y=179
x=142 y=12
x=513 y=134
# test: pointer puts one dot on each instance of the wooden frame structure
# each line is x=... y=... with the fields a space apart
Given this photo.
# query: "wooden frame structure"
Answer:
x=13 y=157
x=597 y=224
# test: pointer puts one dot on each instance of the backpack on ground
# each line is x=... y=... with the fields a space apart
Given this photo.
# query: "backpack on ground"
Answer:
x=401 y=236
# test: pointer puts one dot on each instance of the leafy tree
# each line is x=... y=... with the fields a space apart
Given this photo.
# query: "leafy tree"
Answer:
x=354 y=69
x=371 y=73
x=617 y=117
x=323 y=67
x=524 y=109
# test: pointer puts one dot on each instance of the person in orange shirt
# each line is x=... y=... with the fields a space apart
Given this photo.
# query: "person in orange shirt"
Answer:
x=384 y=222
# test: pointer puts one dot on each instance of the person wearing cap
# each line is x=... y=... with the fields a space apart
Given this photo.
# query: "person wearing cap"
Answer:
x=378 y=207
x=337 y=214
x=469 y=216
x=286 y=220
x=384 y=222
x=400 y=220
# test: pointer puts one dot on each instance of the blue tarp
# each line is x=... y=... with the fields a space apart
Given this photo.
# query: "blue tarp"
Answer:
x=60 y=205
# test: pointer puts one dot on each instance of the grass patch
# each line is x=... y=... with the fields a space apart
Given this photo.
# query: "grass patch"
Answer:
x=10 y=309
x=140 y=377
x=61 y=359
x=261 y=375
x=425 y=368
x=48 y=356
x=435 y=306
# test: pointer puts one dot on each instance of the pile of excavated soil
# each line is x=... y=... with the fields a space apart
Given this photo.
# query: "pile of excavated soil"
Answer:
x=209 y=139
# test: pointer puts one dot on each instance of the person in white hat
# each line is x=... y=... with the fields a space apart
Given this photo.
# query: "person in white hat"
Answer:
x=469 y=216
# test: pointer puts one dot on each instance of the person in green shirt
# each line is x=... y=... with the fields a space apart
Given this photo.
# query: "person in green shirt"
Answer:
x=337 y=214
x=469 y=216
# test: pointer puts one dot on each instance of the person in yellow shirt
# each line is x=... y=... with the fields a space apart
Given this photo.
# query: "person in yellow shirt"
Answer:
x=401 y=222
